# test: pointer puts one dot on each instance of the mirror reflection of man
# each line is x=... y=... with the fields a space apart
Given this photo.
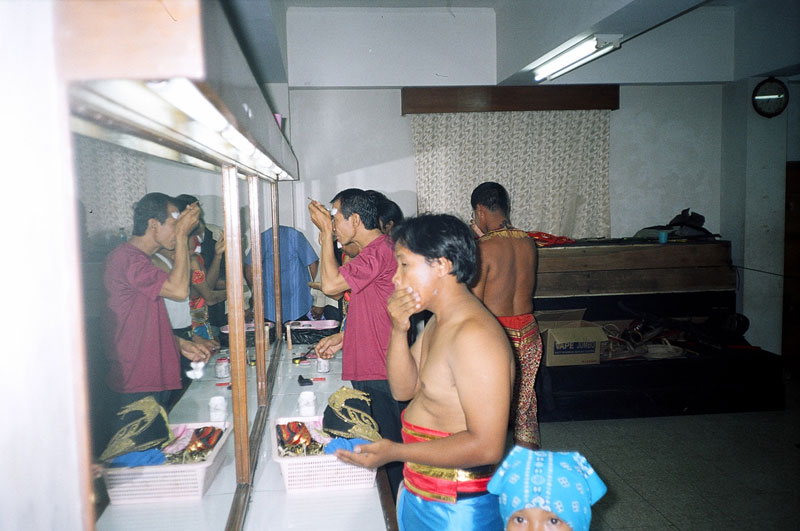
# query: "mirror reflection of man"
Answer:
x=298 y=266
x=144 y=354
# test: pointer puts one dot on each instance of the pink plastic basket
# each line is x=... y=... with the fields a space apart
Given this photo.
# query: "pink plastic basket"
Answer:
x=318 y=472
x=146 y=484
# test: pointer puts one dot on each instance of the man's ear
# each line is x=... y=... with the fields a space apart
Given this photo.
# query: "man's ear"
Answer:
x=152 y=223
x=443 y=267
x=355 y=220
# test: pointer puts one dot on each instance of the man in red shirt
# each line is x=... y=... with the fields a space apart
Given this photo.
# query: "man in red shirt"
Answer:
x=368 y=276
x=143 y=352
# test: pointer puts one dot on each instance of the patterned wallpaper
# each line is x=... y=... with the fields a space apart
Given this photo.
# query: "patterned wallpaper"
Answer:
x=110 y=181
x=554 y=165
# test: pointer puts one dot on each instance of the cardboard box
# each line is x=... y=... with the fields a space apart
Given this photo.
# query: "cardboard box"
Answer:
x=569 y=340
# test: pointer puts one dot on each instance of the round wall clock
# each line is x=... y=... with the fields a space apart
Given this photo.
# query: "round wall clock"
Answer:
x=770 y=97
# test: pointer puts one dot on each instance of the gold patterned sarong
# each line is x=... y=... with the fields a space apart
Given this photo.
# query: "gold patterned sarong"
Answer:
x=523 y=331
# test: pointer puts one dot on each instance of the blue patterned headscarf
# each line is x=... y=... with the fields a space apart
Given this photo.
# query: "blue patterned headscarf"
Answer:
x=563 y=483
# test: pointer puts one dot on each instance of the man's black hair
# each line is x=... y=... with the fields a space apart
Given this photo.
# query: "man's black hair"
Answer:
x=491 y=195
x=361 y=202
x=389 y=211
x=151 y=206
x=184 y=200
x=440 y=236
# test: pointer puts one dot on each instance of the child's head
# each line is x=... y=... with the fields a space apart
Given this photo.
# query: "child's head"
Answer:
x=551 y=490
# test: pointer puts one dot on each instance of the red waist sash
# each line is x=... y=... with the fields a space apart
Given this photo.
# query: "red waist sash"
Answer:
x=520 y=328
x=438 y=483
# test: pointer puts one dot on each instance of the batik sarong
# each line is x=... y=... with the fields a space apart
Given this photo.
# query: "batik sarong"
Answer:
x=439 y=498
x=523 y=331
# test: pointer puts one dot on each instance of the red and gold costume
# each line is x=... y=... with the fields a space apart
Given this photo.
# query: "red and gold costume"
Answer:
x=437 y=483
x=523 y=331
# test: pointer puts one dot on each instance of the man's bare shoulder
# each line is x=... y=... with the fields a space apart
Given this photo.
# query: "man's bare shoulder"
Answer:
x=479 y=333
x=493 y=249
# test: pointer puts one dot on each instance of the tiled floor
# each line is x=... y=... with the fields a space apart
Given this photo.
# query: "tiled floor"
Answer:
x=711 y=472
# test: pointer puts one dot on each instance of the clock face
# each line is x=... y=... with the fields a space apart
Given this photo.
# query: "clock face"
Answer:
x=770 y=97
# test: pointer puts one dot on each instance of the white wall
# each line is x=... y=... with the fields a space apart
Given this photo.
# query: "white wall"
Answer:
x=765 y=193
x=44 y=455
x=733 y=192
x=350 y=47
x=351 y=138
x=664 y=156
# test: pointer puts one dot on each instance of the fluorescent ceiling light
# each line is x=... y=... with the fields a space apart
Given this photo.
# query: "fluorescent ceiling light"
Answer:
x=173 y=112
x=184 y=95
x=239 y=141
x=575 y=56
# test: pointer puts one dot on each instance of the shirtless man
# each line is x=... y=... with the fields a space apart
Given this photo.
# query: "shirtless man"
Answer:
x=505 y=285
x=458 y=374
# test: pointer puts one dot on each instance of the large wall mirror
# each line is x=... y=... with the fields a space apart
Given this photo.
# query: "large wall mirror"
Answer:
x=116 y=164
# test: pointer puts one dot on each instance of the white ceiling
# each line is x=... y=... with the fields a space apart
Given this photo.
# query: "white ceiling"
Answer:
x=394 y=3
x=258 y=25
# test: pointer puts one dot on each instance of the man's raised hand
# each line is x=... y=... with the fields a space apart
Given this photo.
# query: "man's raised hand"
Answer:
x=403 y=303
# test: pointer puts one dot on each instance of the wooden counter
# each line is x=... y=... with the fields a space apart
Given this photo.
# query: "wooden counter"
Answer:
x=615 y=267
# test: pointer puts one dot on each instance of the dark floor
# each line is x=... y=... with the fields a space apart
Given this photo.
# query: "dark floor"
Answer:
x=725 y=471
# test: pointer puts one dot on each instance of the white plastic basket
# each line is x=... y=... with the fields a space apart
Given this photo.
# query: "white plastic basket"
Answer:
x=145 y=484
x=318 y=472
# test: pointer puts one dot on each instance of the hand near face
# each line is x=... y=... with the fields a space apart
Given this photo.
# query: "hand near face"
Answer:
x=187 y=220
x=328 y=346
x=370 y=455
x=321 y=218
x=403 y=303
x=478 y=232
x=219 y=247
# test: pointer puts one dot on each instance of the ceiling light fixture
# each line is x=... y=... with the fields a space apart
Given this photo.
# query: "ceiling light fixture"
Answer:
x=581 y=53
x=181 y=93
x=186 y=97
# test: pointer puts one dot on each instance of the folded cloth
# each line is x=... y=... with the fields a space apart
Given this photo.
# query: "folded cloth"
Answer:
x=183 y=435
x=200 y=445
x=340 y=443
x=294 y=438
x=563 y=483
x=152 y=456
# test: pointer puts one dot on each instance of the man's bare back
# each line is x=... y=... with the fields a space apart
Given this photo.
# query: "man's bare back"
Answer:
x=507 y=272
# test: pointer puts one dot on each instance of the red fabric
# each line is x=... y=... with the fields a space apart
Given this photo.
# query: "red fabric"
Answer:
x=544 y=239
x=366 y=334
x=420 y=483
x=143 y=353
x=516 y=321
x=523 y=332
